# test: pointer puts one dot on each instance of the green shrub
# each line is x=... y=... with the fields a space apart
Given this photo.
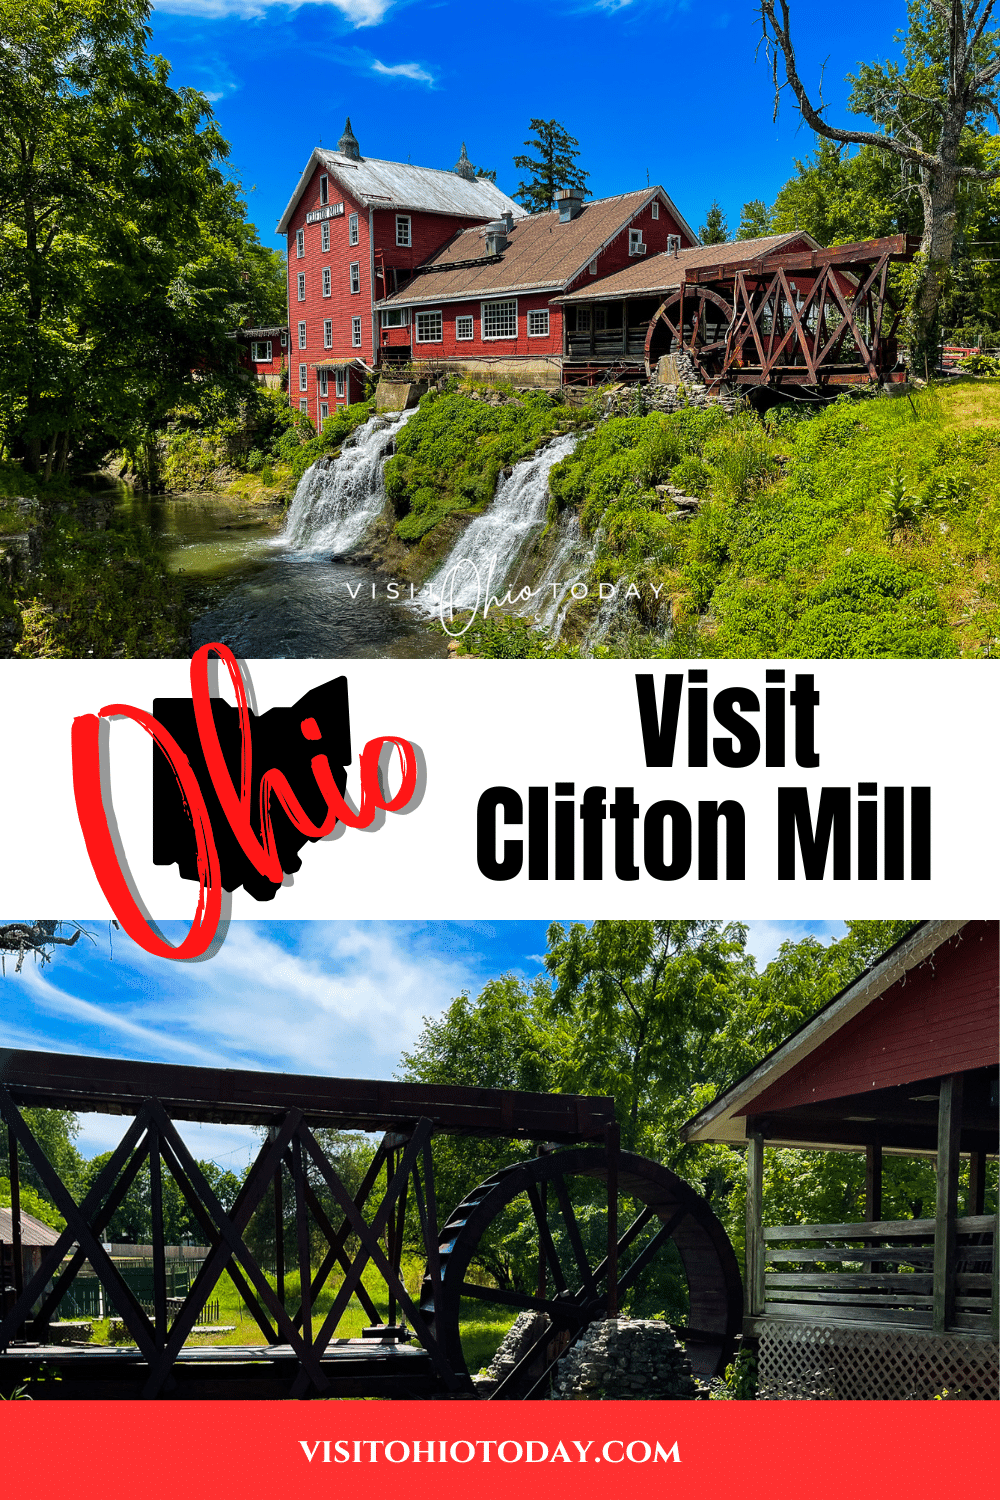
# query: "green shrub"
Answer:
x=980 y=364
x=693 y=476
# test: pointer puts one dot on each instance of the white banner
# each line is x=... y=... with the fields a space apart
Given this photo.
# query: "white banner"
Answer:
x=805 y=789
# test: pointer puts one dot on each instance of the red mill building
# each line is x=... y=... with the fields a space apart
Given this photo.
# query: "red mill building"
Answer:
x=391 y=262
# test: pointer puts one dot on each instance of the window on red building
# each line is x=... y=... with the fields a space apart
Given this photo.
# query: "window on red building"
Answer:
x=300 y=243
x=325 y=235
x=324 y=189
x=403 y=236
x=463 y=328
x=395 y=317
x=260 y=353
x=303 y=378
x=324 y=412
x=352 y=230
x=302 y=286
x=538 y=323
x=340 y=382
x=429 y=328
x=356 y=332
x=324 y=383
x=304 y=407
x=355 y=277
x=327 y=333
x=302 y=335
x=500 y=320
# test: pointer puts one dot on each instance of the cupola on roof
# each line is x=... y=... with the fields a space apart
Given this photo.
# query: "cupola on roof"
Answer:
x=348 y=144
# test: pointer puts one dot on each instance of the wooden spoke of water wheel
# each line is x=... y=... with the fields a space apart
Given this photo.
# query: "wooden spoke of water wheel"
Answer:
x=694 y=319
x=654 y=1210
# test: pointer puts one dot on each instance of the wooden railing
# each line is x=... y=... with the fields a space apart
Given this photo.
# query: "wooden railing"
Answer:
x=879 y=1272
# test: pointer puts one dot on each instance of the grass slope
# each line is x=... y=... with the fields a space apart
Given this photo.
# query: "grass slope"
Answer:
x=869 y=529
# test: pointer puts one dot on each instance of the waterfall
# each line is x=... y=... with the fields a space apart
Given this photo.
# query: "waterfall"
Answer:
x=336 y=500
x=488 y=551
x=571 y=562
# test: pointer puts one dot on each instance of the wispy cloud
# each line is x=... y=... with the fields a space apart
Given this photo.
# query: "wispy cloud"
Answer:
x=358 y=12
x=409 y=70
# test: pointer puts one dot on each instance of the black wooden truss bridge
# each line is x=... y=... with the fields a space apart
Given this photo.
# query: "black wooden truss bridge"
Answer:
x=813 y=318
x=579 y=1175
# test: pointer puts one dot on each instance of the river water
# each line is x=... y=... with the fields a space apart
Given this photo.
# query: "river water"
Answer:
x=266 y=585
x=247 y=587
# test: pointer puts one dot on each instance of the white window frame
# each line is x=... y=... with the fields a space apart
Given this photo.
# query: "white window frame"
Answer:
x=324 y=236
x=355 y=278
x=356 y=333
x=655 y=208
x=304 y=406
x=492 y=338
x=327 y=333
x=324 y=382
x=324 y=189
x=592 y=268
x=429 y=312
x=353 y=234
x=261 y=359
x=300 y=244
x=302 y=286
x=404 y=223
x=303 y=377
x=470 y=320
x=327 y=282
x=396 y=317
x=634 y=239
x=538 y=313
x=324 y=412
x=284 y=341
x=302 y=335
x=339 y=382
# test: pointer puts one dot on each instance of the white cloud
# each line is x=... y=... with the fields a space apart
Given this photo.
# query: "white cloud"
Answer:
x=403 y=70
x=358 y=12
x=765 y=938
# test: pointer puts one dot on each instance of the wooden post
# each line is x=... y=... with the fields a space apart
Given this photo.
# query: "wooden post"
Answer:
x=873 y=1194
x=279 y=1226
x=949 y=1134
x=159 y=1259
x=625 y=326
x=754 y=1270
x=614 y=1143
x=15 y=1212
x=873 y=1183
x=977 y=1182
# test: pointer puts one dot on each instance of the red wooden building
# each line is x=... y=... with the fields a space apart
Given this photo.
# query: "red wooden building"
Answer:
x=489 y=299
x=902 y=1061
x=357 y=229
x=263 y=352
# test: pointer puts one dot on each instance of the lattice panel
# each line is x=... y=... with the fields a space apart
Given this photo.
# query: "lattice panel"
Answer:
x=810 y=1362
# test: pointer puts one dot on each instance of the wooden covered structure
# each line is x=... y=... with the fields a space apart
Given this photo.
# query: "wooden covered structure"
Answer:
x=296 y=1180
x=903 y=1061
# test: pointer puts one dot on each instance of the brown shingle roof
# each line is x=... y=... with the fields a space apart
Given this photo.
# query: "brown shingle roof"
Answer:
x=33 y=1231
x=540 y=253
x=660 y=273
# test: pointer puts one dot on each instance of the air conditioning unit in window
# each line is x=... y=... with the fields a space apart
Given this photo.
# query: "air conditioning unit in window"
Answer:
x=637 y=249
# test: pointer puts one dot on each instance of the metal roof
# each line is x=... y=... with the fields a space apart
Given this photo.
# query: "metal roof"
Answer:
x=400 y=185
x=541 y=253
x=33 y=1231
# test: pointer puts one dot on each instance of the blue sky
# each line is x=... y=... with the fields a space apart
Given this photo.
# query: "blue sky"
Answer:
x=339 y=998
x=668 y=87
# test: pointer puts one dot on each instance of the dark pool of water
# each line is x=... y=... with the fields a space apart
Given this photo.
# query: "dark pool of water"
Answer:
x=247 y=590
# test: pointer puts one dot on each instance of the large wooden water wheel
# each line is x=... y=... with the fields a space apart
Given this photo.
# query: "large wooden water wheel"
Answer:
x=695 y=321
x=666 y=1235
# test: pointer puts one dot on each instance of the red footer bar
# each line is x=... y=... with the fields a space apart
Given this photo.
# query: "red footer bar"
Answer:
x=93 y=1450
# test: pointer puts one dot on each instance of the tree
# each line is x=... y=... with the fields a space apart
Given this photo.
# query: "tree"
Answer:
x=839 y=197
x=929 y=109
x=125 y=256
x=755 y=221
x=553 y=167
x=55 y=1130
x=34 y=937
x=715 y=230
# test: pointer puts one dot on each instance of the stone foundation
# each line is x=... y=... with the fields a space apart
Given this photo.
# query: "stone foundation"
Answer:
x=625 y=1359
